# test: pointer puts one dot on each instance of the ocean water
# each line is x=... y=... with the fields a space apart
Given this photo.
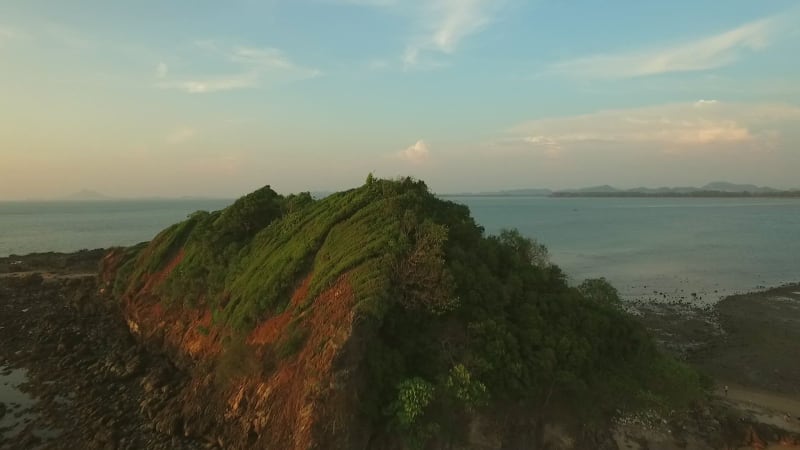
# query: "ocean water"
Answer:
x=652 y=249
x=27 y=227
x=658 y=249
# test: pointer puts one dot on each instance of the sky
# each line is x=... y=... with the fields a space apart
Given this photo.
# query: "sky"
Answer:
x=209 y=98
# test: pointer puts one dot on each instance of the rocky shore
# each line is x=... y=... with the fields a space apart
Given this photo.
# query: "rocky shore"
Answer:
x=94 y=386
x=76 y=378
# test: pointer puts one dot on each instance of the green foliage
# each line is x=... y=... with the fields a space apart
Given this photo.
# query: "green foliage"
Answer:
x=292 y=341
x=457 y=319
x=599 y=290
x=413 y=397
x=464 y=388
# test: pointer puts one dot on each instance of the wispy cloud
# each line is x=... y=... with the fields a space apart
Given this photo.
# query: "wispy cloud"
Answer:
x=416 y=154
x=253 y=68
x=7 y=34
x=181 y=135
x=438 y=27
x=701 y=54
x=213 y=84
x=162 y=70
x=444 y=24
x=708 y=124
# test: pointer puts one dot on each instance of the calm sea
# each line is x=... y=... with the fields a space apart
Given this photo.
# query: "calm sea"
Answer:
x=27 y=227
x=710 y=247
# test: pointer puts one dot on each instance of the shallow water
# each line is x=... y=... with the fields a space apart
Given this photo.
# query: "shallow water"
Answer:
x=16 y=402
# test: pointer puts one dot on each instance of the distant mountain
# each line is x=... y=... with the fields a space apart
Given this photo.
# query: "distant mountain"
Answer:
x=603 y=188
x=714 y=189
x=86 y=195
x=505 y=193
x=724 y=186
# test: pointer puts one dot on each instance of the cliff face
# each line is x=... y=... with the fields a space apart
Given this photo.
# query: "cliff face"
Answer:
x=379 y=317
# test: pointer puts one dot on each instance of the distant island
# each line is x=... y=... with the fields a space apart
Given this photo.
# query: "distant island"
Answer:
x=714 y=189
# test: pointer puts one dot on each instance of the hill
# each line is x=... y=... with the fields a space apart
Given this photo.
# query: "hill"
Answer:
x=382 y=317
x=724 y=186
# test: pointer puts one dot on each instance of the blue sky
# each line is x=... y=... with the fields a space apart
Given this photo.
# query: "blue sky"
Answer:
x=211 y=98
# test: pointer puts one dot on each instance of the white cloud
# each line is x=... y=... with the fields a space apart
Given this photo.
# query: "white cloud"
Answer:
x=438 y=26
x=216 y=84
x=550 y=146
x=444 y=24
x=701 y=103
x=416 y=154
x=256 y=66
x=162 y=70
x=698 y=125
x=268 y=57
x=181 y=135
x=702 y=54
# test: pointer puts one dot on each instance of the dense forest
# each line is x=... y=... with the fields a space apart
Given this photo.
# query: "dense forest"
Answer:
x=459 y=322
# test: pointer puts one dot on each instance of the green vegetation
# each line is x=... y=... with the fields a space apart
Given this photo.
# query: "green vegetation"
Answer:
x=459 y=321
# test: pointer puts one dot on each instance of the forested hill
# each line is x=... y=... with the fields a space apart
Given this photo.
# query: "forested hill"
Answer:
x=383 y=315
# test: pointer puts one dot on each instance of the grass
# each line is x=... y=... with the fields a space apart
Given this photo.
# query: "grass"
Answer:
x=433 y=290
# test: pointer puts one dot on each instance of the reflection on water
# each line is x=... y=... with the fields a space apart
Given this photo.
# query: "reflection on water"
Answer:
x=15 y=403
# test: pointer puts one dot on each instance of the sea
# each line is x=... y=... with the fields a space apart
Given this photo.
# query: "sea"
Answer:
x=651 y=249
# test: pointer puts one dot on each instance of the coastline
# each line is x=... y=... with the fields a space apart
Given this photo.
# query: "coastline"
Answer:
x=77 y=353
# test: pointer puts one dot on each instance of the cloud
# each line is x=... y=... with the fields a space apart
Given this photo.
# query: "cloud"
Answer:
x=444 y=24
x=702 y=54
x=269 y=57
x=699 y=125
x=7 y=35
x=162 y=70
x=439 y=26
x=416 y=154
x=701 y=103
x=253 y=68
x=549 y=145
x=215 y=84
x=378 y=64
x=181 y=135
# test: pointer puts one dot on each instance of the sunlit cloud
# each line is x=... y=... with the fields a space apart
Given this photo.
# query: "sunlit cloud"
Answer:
x=256 y=67
x=438 y=27
x=701 y=54
x=416 y=154
x=215 y=84
x=697 y=125
x=444 y=24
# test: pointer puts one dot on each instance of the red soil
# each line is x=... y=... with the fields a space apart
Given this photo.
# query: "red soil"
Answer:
x=289 y=407
x=293 y=405
x=269 y=331
x=157 y=279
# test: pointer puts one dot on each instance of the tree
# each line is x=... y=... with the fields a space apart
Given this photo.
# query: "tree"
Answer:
x=600 y=290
